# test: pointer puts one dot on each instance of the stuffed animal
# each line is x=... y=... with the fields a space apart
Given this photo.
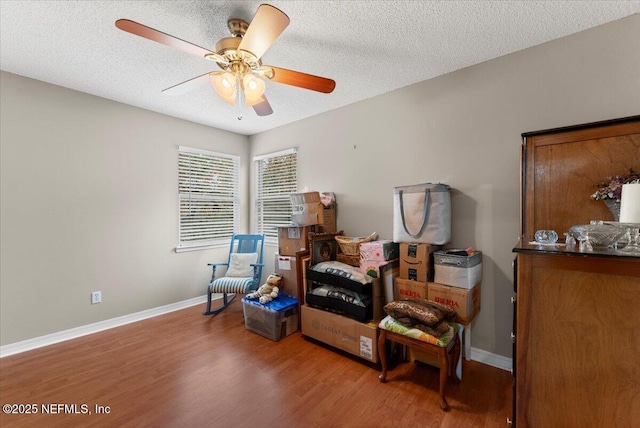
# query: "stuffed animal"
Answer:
x=268 y=291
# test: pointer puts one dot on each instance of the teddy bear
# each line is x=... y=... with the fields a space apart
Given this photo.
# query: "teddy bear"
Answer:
x=268 y=291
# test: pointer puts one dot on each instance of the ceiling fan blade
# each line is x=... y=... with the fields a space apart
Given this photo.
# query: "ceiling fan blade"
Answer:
x=265 y=27
x=160 y=37
x=263 y=108
x=191 y=84
x=301 y=80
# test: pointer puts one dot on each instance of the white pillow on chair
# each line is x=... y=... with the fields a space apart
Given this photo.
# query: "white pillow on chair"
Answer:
x=240 y=264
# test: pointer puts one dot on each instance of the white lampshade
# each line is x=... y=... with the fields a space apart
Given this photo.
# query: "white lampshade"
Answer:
x=225 y=84
x=253 y=89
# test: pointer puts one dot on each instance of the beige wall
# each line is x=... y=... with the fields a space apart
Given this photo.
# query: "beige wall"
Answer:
x=464 y=129
x=89 y=202
x=88 y=196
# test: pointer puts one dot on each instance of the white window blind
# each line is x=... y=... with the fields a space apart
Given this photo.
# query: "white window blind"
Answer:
x=276 y=179
x=209 y=204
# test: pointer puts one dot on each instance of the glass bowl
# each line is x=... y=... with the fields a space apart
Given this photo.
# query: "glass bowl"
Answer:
x=600 y=235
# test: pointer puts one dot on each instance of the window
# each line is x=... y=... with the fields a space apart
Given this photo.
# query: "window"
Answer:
x=276 y=179
x=208 y=192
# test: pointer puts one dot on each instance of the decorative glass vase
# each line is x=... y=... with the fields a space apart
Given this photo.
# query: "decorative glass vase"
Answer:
x=614 y=207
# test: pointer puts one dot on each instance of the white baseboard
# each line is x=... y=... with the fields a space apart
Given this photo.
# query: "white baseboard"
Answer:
x=61 y=336
x=491 y=359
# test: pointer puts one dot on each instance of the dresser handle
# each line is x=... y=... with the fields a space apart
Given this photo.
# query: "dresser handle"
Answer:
x=509 y=422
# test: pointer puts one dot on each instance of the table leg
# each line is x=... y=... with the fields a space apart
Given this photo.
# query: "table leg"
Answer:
x=467 y=342
x=443 y=360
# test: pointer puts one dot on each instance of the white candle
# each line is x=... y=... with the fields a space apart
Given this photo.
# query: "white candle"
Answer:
x=630 y=203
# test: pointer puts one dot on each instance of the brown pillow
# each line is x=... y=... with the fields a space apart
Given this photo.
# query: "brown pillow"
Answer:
x=446 y=310
x=422 y=311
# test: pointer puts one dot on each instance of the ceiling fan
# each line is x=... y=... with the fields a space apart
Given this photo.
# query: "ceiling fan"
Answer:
x=241 y=80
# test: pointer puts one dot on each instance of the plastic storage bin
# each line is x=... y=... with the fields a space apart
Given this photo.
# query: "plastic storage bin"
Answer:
x=274 y=320
x=457 y=271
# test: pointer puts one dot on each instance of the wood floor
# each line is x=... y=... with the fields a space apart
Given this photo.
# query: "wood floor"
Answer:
x=184 y=369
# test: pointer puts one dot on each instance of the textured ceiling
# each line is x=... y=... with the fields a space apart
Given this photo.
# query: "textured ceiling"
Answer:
x=367 y=47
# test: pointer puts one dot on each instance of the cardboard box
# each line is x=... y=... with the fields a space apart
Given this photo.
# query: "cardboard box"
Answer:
x=328 y=221
x=408 y=289
x=307 y=209
x=293 y=239
x=273 y=320
x=287 y=268
x=416 y=261
x=379 y=251
x=466 y=302
x=360 y=339
x=378 y=300
x=456 y=270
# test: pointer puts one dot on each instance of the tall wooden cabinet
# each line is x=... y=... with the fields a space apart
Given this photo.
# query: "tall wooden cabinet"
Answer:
x=576 y=355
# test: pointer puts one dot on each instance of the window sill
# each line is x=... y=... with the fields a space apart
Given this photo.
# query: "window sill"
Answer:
x=202 y=247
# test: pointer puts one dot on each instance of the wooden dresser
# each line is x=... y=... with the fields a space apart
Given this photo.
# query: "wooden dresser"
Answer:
x=576 y=356
x=577 y=338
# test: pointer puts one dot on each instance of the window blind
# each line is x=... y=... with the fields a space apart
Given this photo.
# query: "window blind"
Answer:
x=208 y=190
x=276 y=179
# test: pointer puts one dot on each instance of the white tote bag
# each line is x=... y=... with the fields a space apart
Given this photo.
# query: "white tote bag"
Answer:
x=422 y=213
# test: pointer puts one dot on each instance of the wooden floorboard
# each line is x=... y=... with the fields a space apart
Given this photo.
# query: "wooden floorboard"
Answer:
x=185 y=369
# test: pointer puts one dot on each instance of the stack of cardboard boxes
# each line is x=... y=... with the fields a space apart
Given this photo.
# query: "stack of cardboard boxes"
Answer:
x=311 y=212
x=416 y=269
x=458 y=274
x=314 y=209
x=378 y=259
x=444 y=276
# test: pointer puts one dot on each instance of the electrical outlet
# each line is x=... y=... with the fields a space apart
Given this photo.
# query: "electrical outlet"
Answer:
x=96 y=297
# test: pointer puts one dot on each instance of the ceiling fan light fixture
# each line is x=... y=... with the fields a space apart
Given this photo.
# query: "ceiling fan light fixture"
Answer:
x=224 y=84
x=253 y=86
